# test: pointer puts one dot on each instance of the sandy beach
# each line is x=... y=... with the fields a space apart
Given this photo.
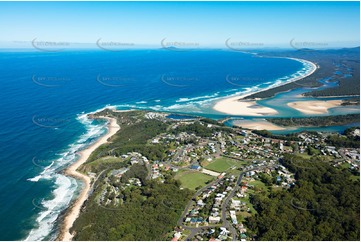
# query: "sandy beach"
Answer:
x=314 y=107
x=257 y=125
x=235 y=106
x=74 y=210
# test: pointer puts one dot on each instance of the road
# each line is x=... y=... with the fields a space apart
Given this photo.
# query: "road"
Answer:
x=226 y=223
x=199 y=192
x=195 y=230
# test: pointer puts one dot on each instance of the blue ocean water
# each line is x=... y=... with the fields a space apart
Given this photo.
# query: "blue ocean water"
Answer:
x=45 y=97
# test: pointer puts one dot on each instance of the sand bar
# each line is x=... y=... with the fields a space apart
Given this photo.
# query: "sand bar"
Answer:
x=314 y=107
x=74 y=210
x=257 y=125
x=234 y=106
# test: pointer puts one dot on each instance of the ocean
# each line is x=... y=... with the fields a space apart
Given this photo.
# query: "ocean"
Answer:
x=45 y=97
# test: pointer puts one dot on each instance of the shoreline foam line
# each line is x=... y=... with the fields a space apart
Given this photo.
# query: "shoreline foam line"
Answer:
x=233 y=105
x=64 y=187
x=74 y=210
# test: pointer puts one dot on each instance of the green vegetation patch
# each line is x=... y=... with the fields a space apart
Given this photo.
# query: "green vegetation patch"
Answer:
x=103 y=163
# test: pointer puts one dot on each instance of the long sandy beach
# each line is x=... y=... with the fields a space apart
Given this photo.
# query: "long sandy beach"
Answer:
x=74 y=210
x=235 y=106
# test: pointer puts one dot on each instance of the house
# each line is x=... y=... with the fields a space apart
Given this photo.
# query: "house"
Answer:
x=134 y=161
x=200 y=203
x=241 y=195
x=233 y=217
x=236 y=204
x=215 y=209
x=177 y=236
x=196 y=167
x=224 y=231
x=243 y=189
x=214 y=220
x=193 y=220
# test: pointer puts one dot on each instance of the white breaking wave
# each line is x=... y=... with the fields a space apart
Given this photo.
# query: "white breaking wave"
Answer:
x=65 y=187
x=185 y=99
x=197 y=103
x=141 y=102
x=62 y=197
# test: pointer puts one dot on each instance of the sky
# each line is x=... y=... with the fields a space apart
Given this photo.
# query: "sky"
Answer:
x=257 y=24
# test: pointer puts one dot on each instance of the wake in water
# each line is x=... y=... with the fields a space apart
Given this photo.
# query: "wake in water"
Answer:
x=65 y=187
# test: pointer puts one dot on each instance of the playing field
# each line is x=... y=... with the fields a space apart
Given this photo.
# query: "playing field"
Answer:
x=222 y=164
x=193 y=179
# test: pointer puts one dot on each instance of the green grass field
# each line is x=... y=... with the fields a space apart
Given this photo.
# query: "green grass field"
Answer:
x=258 y=184
x=304 y=156
x=222 y=164
x=192 y=179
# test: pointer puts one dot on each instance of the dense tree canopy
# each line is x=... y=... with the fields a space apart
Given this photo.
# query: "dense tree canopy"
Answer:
x=148 y=213
x=317 y=121
x=323 y=205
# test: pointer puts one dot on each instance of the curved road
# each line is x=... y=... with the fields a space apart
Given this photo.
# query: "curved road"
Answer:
x=226 y=223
